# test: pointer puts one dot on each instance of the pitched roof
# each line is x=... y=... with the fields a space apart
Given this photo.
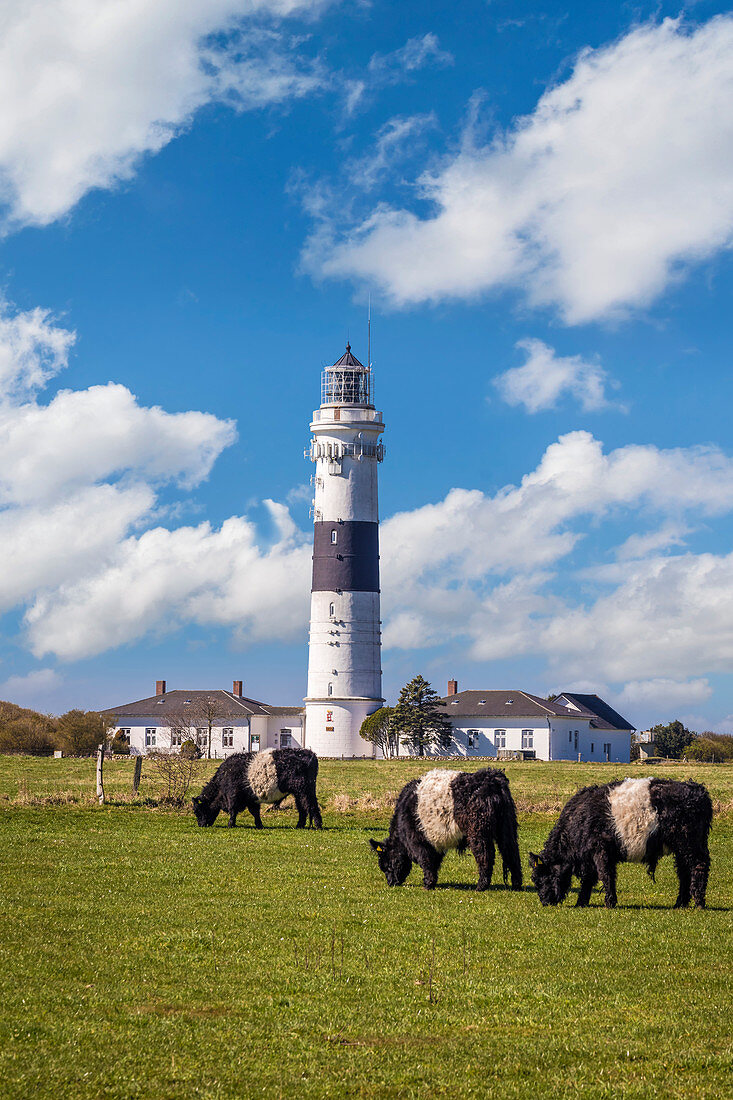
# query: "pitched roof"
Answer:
x=178 y=702
x=348 y=359
x=603 y=716
x=500 y=704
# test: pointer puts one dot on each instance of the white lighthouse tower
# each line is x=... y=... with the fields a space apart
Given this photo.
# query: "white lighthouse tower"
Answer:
x=344 y=651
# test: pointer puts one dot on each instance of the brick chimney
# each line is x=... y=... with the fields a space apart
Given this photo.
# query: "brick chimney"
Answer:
x=237 y=689
x=160 y=687
x=452 y=687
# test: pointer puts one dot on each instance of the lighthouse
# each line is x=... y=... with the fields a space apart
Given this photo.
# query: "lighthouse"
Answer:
x=344 y=649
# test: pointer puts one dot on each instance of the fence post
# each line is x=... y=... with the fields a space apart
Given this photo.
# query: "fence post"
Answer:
x=100 y=777
x=137 y=773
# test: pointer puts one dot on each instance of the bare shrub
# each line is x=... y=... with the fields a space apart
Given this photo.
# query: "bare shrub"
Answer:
x=174 y=774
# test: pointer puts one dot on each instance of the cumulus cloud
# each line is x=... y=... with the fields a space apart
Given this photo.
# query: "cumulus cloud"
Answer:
x=79 y=473
x=164 y=579
x=29 y=689
x=33 y=348
x=545 y=377
x=87 y=88
x=94 y=434
x=660 y=693
x=592 y=204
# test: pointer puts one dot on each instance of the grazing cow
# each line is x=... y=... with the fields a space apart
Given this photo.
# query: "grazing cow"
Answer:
x=631 y=820
x=247 y=779
x=451 y=809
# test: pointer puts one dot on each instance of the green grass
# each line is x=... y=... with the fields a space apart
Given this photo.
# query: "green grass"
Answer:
x=142 y=957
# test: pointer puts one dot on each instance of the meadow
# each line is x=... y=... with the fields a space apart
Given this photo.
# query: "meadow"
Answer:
x=143 y=957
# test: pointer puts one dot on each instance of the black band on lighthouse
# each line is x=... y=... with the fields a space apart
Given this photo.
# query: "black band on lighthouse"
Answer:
x=346 y=556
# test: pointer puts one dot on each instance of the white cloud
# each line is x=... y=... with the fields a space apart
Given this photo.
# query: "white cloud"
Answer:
x=546 y=377
x=416 y=53
x=85 y=436
x=87 y=88
x=78 y=474
x=28 y=690
x=660 y=693
x=164 y=579
x=33 y=348
x=593 y=204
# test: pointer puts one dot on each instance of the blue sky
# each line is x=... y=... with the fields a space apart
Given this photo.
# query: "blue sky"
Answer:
x=196 y=201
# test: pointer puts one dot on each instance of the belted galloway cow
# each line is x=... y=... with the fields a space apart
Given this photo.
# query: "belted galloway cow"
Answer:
x=246 y=780
x=630 y=820
x=452 y=809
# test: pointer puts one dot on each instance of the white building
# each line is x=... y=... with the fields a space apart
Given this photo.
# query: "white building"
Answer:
x=344 y=648
x=167 y=719
x=502 y=723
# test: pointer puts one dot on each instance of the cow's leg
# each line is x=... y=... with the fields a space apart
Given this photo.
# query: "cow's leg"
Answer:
x=254 y=809
x=232 y=818
x=483 y=851
x=314 y=810
x=606 y=868
x=429 y=861
x=700 y=871
x=588 y=879
x=506 y=840
x=302 y=807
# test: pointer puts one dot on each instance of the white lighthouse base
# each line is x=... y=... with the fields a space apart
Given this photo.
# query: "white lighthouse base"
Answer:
x=332 y=726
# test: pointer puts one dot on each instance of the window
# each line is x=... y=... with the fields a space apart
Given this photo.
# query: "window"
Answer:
x=500 y=739
x=124 y=735
x=332 y=609
x=472 y=738
x=330 y=689
x=527 y=739
x=285 y=739
x=254 y=742
x=227 y=739
x=607 y=749
x=176 y=738
x=592 y=746
x=570 y=736
x=150 y=739
x=334 y=536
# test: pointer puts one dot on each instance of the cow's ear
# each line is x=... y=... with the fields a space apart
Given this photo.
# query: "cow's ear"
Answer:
x=376 y=845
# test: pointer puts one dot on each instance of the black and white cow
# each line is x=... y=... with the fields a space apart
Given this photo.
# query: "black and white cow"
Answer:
x=631 y=820
x=247 y=779
x=451 y=809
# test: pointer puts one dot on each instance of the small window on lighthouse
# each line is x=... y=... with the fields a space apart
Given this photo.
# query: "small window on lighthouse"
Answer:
x=330 y=689
x=334 y=536
x=332 y=609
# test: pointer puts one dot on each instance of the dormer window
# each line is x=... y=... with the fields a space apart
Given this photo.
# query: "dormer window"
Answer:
x=482 y=702
x=509 y=702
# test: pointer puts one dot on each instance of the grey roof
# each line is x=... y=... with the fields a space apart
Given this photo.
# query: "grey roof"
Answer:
x=348 y=359
x=603 y=716
x=495 y=704
x=176 y=702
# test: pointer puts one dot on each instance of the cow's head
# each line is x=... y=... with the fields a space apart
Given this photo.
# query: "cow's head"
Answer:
x=394 y=861
x=552 y=881
x=205 y=812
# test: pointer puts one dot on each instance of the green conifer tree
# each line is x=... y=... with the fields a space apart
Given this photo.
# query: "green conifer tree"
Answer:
x=418 y=720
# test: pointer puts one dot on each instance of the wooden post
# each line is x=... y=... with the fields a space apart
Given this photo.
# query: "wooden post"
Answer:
x=100 y=767
x=137 y=773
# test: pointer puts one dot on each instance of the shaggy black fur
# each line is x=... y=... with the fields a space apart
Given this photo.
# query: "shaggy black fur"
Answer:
x=483 y=809
x=584 y=843
x=229 y=789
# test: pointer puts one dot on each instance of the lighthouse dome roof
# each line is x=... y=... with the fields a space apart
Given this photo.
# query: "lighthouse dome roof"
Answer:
x=348 y=359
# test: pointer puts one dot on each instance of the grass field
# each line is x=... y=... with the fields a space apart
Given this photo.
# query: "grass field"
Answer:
x=143 y=957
